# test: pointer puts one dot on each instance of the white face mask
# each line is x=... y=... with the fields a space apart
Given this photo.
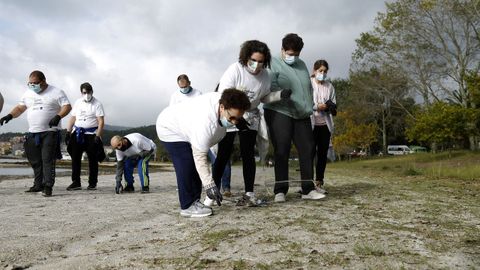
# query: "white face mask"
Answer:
x=87 y=97
x=254 y=66
x=289 y=59
x=321 y=77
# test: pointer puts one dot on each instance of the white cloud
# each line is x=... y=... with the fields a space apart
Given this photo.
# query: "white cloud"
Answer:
x=133 y=51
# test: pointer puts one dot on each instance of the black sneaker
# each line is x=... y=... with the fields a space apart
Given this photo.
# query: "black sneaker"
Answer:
x=74 y=186
x=47 y=192
x=92 y=187
x=145 y=189
x=34 y=189
x=129 y=189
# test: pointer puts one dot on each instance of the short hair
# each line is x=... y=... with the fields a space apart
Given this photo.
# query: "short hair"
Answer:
x=183 y=77
x=38 y=74
x=236 y=99
x=250 y=47
x=87 y=86
x=115 y=138
x=292 y=42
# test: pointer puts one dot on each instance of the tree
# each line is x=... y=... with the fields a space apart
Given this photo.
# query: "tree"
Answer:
x=443 y=125
x=432 y=42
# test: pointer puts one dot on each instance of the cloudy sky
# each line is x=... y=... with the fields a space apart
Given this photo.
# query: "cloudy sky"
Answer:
x=133 y=51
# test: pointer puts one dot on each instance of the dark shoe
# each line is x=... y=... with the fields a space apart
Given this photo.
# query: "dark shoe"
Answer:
x=145 y=189
x=74 y=186
x=34 y=189
x=92 y=187
x=129 y=189
x=47 y=192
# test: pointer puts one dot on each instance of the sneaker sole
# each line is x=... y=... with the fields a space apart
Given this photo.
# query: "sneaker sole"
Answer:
x=77 y=188
x=305 y=197
x=195 y=215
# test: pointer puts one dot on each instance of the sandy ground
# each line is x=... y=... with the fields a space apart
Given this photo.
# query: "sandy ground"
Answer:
x=355 y=227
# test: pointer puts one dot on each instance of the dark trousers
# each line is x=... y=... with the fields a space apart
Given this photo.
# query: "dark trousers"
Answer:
x=188 y=180
x=90 y=147
x=283 y=130
x=247 y=152
x=321 y=136
x=41 y=149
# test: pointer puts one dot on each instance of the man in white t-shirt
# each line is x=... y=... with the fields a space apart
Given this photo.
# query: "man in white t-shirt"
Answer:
x=46 y=105
x=188 y=130
x=185 y=90
x=84 y=134
x=133 y=149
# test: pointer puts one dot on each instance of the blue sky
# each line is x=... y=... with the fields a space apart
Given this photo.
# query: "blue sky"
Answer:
x=133 y=51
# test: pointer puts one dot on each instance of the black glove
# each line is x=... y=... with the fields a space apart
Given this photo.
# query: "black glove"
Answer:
x=331 y=107
x=118 y=188
x=54 y=121
x=68 y=136
x=286 y=93
x=98 y=140
x=5 y=119
x=242 y=124
x=214 y=194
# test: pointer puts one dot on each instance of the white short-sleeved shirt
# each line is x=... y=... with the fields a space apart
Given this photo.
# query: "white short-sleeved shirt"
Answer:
x=86 y=113
x=194 y=121
x=178 y=96
x=255 y=86
x=139 y=142
x=42 y=107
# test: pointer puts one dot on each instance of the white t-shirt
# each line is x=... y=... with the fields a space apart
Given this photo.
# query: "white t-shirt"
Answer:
x=86 y=113
x=194 y=121
x=41 y=108
x=178 y=97
x=139 y=142
x=255 y=86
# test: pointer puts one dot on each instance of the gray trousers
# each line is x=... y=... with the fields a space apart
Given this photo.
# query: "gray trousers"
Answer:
x=41 y=149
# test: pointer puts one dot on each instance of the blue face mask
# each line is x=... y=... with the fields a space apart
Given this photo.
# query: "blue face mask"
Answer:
x=226 y=123
x=35 y=87
x=321 y=77
x=290 y=59
x=185 y=90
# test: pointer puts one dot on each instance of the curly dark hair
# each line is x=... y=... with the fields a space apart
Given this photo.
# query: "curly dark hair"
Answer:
x=236 y=99
x=250 y=47
x=292 y=42
x=320 y=63
x=183 y=77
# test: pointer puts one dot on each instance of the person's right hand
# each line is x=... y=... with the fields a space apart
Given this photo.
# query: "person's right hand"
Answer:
x=214 y=194
x=68 y=135
x=286 y=93
x=5 y=119
x=118 y=188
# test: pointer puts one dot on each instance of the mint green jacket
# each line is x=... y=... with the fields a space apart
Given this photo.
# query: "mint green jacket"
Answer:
x=297 y=78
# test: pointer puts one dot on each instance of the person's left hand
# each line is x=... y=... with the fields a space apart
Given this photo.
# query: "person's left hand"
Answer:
x=214 y=194
x=55 y=120
x=98 y=140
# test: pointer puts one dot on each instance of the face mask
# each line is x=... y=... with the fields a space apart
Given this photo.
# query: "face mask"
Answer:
x=290 y=59
x=254 y=66
x=124 y=147
x=185 y=90
x=87 y=97
x=35 y=87
x=226 y=123
x=321 y=77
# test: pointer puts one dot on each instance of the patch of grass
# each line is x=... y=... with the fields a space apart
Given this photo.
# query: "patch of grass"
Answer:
x=363 y=249
x=215 y=237
x=240 y=265
x=411 y=172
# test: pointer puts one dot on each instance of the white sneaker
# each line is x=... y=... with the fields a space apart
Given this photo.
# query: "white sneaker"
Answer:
x=197 y=209
x=208 y=202
x=280 y=197
x=252 y=198
x=320 y=189
x=313 y=195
